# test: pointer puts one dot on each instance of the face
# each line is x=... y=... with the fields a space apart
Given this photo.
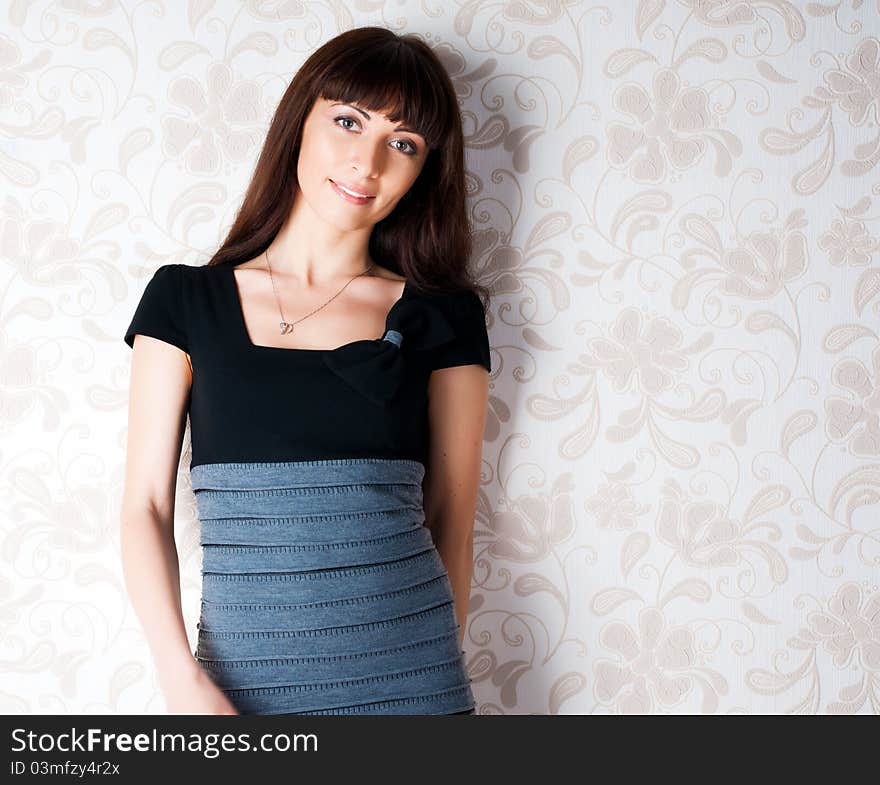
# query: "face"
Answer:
x=346 y=146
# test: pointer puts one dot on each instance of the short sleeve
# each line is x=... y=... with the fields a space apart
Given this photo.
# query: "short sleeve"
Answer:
x=465 y=312
x=160 y=312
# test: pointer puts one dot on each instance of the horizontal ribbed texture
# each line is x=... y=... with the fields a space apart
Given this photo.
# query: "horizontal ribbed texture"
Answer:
x=322 y=591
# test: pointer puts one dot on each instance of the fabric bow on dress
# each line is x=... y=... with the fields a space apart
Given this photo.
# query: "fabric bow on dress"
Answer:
x=376 y=367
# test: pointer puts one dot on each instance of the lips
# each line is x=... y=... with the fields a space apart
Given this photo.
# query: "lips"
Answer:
x=353 y=191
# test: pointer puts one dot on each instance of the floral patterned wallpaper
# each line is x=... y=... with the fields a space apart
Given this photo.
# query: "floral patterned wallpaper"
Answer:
x=675 y=203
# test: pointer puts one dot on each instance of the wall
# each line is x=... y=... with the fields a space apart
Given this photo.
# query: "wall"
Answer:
x=675 y=204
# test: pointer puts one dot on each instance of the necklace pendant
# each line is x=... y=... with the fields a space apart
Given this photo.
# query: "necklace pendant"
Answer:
x=286 y=327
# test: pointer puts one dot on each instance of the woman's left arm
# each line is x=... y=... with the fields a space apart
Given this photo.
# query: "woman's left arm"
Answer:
x=458 y=398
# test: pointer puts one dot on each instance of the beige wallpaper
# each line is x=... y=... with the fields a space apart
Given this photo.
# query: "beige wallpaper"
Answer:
x=676 y=204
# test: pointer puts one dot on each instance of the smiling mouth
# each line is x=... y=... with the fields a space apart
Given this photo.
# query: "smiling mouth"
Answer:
x=348 y=195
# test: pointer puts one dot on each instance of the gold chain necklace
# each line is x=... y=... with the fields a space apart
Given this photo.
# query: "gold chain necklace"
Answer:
x=287 y=327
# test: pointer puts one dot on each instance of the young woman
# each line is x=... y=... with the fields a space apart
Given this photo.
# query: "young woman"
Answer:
x=333 y=360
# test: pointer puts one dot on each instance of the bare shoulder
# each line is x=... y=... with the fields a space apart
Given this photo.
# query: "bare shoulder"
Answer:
x=389 y=275
x=389 y=285
x=252 y=264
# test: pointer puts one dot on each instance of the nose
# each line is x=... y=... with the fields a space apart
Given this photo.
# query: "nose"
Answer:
x=367 y=157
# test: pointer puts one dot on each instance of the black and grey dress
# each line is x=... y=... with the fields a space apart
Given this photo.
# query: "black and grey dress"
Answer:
x=322 y=591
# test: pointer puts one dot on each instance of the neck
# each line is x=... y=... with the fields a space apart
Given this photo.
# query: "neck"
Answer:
x=309 y=251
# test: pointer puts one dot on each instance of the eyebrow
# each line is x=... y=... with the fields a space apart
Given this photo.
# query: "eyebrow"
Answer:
x=365 y=114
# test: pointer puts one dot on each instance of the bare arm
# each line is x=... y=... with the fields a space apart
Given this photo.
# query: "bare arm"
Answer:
x=161 y=379
x=158 y=401
x=457 y=407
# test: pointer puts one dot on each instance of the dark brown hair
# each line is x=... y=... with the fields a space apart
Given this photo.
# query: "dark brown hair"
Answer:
x=426 y=238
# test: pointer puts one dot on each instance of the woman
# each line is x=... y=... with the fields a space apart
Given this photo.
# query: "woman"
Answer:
x=333 y=360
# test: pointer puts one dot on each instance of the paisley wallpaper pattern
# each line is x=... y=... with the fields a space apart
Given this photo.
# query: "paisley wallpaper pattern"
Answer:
x=676 y=204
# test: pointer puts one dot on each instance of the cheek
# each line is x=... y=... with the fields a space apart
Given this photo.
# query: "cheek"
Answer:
x=314 y=168
x=318 y=151
x=405 y=185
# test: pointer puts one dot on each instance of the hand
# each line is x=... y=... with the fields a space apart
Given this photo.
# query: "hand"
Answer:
x=195 y=693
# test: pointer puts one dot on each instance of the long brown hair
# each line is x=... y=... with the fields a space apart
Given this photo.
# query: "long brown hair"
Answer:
x=426 y=238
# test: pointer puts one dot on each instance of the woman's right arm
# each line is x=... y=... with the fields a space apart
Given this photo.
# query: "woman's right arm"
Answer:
x=161 y=380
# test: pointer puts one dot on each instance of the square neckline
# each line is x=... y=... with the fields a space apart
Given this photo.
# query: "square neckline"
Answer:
x=242 y=324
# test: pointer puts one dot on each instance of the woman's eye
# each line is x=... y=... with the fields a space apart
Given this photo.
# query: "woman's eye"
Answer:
x=409 y=149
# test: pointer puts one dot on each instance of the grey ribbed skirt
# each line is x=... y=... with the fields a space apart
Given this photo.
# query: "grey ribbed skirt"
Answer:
x=323 y=592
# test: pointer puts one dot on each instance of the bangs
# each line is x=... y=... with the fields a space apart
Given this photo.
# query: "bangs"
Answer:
x=389 y=80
